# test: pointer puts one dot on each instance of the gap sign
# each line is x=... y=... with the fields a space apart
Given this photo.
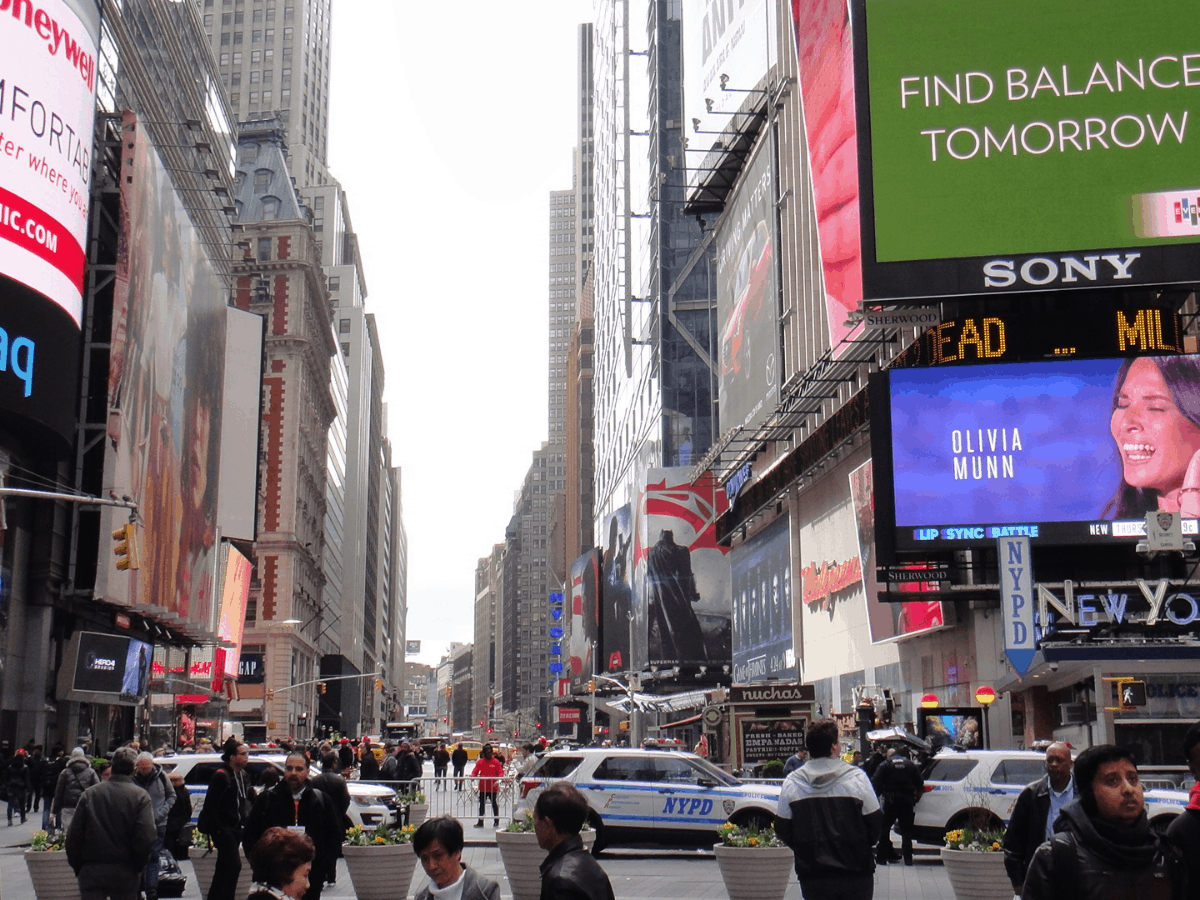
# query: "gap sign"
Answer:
x=1016 y=601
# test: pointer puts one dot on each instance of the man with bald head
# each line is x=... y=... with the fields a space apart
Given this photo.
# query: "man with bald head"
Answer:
x=296 y=805
x=1032 y=820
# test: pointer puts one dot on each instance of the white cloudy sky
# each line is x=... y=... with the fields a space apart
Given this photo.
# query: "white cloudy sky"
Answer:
x=450 y=124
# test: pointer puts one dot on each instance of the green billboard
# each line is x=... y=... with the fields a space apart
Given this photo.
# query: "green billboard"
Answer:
x=1035 y=143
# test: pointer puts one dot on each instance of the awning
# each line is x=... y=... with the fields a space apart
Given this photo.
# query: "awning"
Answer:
x=663 y=703
x=681 y=722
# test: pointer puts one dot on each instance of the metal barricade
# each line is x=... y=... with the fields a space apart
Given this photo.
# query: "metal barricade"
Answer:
x=459 y=796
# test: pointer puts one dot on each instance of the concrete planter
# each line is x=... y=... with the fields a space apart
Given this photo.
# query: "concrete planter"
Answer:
x=977 y=876
x=51 y=874
x=755 y=873
x=522 y=857
x=204 y=864
x=380 y=872
x=417 y=813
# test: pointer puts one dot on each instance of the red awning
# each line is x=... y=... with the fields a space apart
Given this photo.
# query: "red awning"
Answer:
x=681 y=722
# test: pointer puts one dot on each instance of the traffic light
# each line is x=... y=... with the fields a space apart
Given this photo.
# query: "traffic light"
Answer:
x=321 y=687
x=270 y=693
x=125 y=548
x=379 y=684
x=591 y=688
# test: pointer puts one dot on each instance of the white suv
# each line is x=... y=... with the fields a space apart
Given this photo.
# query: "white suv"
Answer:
x=980 y=788
x=371 y=805
x=653 y=796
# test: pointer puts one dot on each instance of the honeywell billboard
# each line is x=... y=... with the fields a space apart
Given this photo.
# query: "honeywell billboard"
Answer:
x=48 y=97
x=1027 y=145
x=47 y=105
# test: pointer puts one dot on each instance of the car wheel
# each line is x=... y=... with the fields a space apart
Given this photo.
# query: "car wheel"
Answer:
x=601 y=837
x=978 y=819
x=756 y=819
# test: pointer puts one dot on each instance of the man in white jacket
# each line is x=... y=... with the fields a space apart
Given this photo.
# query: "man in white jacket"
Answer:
x=829 y=815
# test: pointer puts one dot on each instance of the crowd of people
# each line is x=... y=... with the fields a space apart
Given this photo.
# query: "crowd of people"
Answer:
x=1079 y=832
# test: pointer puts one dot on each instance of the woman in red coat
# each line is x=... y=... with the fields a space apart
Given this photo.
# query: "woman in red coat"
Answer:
x=489 y=771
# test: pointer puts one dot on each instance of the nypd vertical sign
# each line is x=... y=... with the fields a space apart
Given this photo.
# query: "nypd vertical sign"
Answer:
x=1016 y=601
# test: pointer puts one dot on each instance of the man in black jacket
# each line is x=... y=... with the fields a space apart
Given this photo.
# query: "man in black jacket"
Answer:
x=111 y=834
x=568 y=872
x=223 y=815
x=408 y=769
x=899 y=784
x=459 y=759
x=1184 y=832
x=295 y=803
x=1103 y=848
x=1032 y=820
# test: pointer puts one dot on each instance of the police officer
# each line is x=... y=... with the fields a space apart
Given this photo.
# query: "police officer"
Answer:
x=899 y=784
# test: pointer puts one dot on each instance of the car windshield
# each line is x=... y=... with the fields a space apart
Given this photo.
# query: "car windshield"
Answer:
x=556 y=766
x=714 y=773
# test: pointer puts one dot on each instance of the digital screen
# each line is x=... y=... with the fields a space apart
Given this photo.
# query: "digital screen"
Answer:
x=761 y=570
x=951 y=726
x=1063 y=452
x=1027 y=145
x=112 y=664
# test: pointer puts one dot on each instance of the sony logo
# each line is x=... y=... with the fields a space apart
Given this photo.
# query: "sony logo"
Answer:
x=1041 y=270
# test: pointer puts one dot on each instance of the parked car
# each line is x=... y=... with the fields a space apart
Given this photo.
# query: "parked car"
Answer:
x=371 y=805
x=646 y=796
x=980 y=788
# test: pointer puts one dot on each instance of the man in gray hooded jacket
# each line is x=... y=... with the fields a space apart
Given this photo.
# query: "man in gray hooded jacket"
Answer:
x=829 y=815
x=153 y=780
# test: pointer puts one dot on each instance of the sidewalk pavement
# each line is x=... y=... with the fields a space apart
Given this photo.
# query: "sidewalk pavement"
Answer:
x=636 y=874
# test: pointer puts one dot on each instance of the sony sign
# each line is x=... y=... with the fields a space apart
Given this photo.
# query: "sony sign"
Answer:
x=1041 y=271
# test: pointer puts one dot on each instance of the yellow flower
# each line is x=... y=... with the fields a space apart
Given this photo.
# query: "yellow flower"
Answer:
x=753 y=842
x=380 y=840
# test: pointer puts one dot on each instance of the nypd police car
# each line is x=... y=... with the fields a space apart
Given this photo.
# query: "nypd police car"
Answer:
x=980 y=788
x=653 y=796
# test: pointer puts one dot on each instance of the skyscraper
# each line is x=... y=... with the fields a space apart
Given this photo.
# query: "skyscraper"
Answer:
x=274 y=61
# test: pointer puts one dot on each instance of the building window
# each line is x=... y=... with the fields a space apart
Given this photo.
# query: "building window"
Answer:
x=270 y=207
x=256 y=36
x=343 y=324
x=268 y=76
x=225 y=38
x=257 y=16
x=235 y=79
x=255 y=76
x=287 y=33
x=238 y=37
x=319 y=201
x=256 y=56
x=264 y=249
x=345 y=349
x=254 y=98
x=262 y=179
x=266 y=98
x=318 y=224
x=237 y=57
x=224 y=59
x=270 y=14
x=285 y=96
x=270 y=36
x=335 y=284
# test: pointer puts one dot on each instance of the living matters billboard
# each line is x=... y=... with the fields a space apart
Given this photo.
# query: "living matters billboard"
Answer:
x=1027 y=145
x=747 y=296
x=1061 y=452
x=728 y=48
x=47 y=109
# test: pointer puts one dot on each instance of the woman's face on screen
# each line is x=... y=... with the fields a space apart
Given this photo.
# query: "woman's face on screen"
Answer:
x=1154 y=439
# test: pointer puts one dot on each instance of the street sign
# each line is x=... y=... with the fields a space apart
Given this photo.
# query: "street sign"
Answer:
x=712 y=716
x=1016 y=601
x=985 y=695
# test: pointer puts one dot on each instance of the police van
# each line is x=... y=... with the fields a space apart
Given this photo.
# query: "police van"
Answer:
x=645 y=796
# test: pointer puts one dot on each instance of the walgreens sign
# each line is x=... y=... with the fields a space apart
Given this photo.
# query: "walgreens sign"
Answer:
x=47 y=105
